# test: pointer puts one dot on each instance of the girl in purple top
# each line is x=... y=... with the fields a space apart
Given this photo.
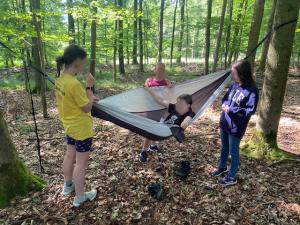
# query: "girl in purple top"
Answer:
x=158 y=80
x=238 y=105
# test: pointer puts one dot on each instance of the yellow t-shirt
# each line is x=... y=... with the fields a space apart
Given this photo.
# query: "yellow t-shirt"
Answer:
x=70 y=97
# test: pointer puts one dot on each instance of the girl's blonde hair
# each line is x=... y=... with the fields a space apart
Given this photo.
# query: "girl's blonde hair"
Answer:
x=160 y=64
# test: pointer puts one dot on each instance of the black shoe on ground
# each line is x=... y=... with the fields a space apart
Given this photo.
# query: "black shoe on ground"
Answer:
x=184 y=170
x=218 y=172
x=156 y=190
x=153 y=148
x=143 y=156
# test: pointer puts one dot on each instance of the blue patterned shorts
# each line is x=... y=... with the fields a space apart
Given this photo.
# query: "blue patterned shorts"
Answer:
x=80 y=146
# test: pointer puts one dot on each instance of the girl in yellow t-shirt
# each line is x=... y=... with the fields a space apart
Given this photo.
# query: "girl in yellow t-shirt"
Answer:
x=74 y=104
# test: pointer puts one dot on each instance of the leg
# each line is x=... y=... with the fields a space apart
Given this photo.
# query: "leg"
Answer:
x=225 y=149
x=79 y=172
x=234 y=145
x=68 y=164
x=146 y=144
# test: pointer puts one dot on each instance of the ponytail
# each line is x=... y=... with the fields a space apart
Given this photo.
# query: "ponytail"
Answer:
x=71 y=53
x=59 y=64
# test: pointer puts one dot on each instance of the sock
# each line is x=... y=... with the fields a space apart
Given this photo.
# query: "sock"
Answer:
x=68 y=183
x=81 y=198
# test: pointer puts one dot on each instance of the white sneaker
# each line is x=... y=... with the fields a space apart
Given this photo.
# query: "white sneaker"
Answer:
x=68 y=190
x=88 y=196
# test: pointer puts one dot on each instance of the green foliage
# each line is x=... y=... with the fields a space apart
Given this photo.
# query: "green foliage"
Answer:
x=17 y=180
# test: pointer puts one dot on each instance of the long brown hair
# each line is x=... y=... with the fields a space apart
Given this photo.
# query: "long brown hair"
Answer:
x=244 y=71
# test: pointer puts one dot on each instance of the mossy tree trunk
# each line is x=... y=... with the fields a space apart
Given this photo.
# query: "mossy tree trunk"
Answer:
x=207 y=36
x=71 y=26
x=264 y=141
x=161 y=30
x=15 y=178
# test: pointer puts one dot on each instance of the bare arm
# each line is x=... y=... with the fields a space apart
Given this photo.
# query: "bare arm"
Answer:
x=186 y=122
x=88 y=107
x=90 y=81
x=157 y=98
x=170 y=84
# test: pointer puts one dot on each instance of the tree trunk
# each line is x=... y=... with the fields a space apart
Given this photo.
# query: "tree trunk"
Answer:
x=135 y=34
x=276 y=72
x=182 y=7
x=115 y=52
x=207 y=36
x=38 y=56
x=83 y=32
x=219 y=38
x=15 y=178
x=93 y=44
x=265 y=48
x=187 y=32
x=141 y=52
x=71 y=26
x=227 y=41
x=121 y=41
x=255 y=30
x=243 y=7
x=105 y=36
x=78 y=32
x=173 y=33
x=161 y=29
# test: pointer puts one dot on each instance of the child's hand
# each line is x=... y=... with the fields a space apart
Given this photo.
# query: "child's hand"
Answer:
x=95 y=98
x=225 y=108
x=171 y=85
x=90 y=80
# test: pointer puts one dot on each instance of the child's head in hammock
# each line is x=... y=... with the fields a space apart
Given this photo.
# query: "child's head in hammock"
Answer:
x=160 y=71
x=183 y=104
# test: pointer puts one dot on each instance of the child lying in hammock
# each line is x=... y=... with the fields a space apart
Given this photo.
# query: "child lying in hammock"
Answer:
x=180 y=113
x=157 y=80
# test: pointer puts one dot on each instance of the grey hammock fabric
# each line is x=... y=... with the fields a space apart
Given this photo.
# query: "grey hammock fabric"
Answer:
x=137 y=111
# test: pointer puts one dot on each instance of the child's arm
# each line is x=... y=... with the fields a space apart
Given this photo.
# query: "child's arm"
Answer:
x=90 y=81
x=170 y=84
x=161 y=101
x=186 y=122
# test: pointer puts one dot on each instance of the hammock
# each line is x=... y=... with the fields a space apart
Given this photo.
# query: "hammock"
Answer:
x=137 y=111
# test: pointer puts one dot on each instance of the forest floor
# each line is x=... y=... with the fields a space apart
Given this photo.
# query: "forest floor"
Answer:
x=265 y=193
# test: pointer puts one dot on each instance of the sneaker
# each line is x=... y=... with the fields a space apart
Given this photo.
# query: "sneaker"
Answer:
x=153 y=148
x=156 y=190
x=184 y=170
x=67 y=190
x=227 y=181
x=143 y=156
x=88 y=196
x=218 y=172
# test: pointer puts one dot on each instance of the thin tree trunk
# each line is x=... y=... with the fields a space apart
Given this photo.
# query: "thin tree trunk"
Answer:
x=141 y=52
x=38 y=55
x=115 y=52
x=93 y=44
x=207 y=36
x=182 y=7
x=219 y=38
x=187 y=32
x=267 y=42
x=83 y=32
x=78 y=32
x=255 y=29
x=227 y=42
x=127 y=43
x=238 y=27
x=121 y=41
x=71 y=26
x=161 y=29
x=105 y=35
x=173 y=33
x=276 y=72
x=135 y=34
